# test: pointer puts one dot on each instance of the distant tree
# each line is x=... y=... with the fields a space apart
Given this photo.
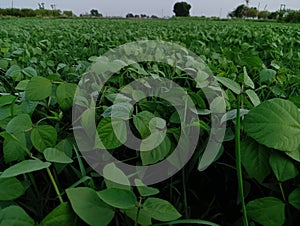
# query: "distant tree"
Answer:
x=154 y=17
x=263 y=14
x=144 y=16
x=41 y=5
x=250 y=12
x=239 y=12
x=136 y=16
x=129 y=15
x=94 y=12
x=182 y=9
x=68 y=13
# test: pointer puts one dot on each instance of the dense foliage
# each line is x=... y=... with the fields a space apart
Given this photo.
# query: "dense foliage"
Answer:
x=182 y=9
x=44 y=179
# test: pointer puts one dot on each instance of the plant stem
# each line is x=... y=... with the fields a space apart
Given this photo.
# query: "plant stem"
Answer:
x=184 y=194
x=282 y=192
x=54 y=185
x=138 y=212
x=239 y=160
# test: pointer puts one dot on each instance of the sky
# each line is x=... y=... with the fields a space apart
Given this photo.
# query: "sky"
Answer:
x=150 y=7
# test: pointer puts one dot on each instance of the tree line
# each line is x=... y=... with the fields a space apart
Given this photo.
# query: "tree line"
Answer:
x=285 y=15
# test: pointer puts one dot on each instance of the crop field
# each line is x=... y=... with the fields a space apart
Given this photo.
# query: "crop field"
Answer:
x=226 y=94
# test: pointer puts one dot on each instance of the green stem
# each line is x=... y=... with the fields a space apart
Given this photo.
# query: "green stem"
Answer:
x=282 y=192
x=54 y=185
x=138 y=212
x=239 y=160
x=184 y=194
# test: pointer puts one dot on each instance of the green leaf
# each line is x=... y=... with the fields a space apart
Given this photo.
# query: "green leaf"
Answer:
x=117 y=177
x=107 y=134
x=230 y=84
x=29 y=72
x=253 y=97
x=65 y=93
x=158 y=153
x=143 y=219
x=141 y=122
x=55 y=155
x=89 y=207
x=15 y=72
x=22 y=85
x=15 y=216
x=268 y=211
x=43 y=137
x=294 y=198
x=7 y=100
x=247 y=80
x=255 y=159
x=26 y=166
x=145 y=190
x=118 y=198
x=13 y=147
x=276 y=124
x=19 y=124
x=61 y=215
x=38 y=88
x=10 y=188
x=267 y=75
x=283 y=168
x=160 y=209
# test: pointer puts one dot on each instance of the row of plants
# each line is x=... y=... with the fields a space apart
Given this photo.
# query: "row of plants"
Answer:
x=254 y=179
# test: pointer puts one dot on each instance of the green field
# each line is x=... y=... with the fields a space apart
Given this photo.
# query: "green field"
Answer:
x=44 y=179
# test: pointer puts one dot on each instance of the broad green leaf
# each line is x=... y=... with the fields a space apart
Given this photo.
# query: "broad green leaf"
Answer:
x=13 y=147
x=61 y=215
x=15 y=216
x=283 y=168
x=294 y=198
x=38 y=88
x=230 y=84
x=43 y=137
x=253 y=97
x=268 y=211
x=107 y=130
x=158 y=153
x=160 y=209
x=145 y=190
x=276 y=124
x=118 y=111
x=26 y=166
x=267 y=75
x=22 y=85
x=118 y=198
x=7 y=100
x=15 y=72
x=29 y=72
x=10 y=188
x=141 y=122
x=55 y=155
x=19 y=124
x=295 y=100
x=218 y=105
x=255 y=159
x=143 y=219
x=65 y=94
x=89 y=207
x=115 y=178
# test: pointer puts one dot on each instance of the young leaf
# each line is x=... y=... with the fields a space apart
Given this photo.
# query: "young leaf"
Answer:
x=118 y=198
x=55 y=155
x=89 y=207
x=117 y=176
x=10 y=188
x=43 y=137
x=230 y=84
x=61 y=215
x=19 y=124
x=283 y=168
x=15 y=216
x=247 y=80
x=267 y=211
x=145 y=190
x=26 y=166
x=253 y=97
x=160 y=209
x=38 y=88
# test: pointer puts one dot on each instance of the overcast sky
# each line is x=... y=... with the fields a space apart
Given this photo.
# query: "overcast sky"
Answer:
x=150 y=7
